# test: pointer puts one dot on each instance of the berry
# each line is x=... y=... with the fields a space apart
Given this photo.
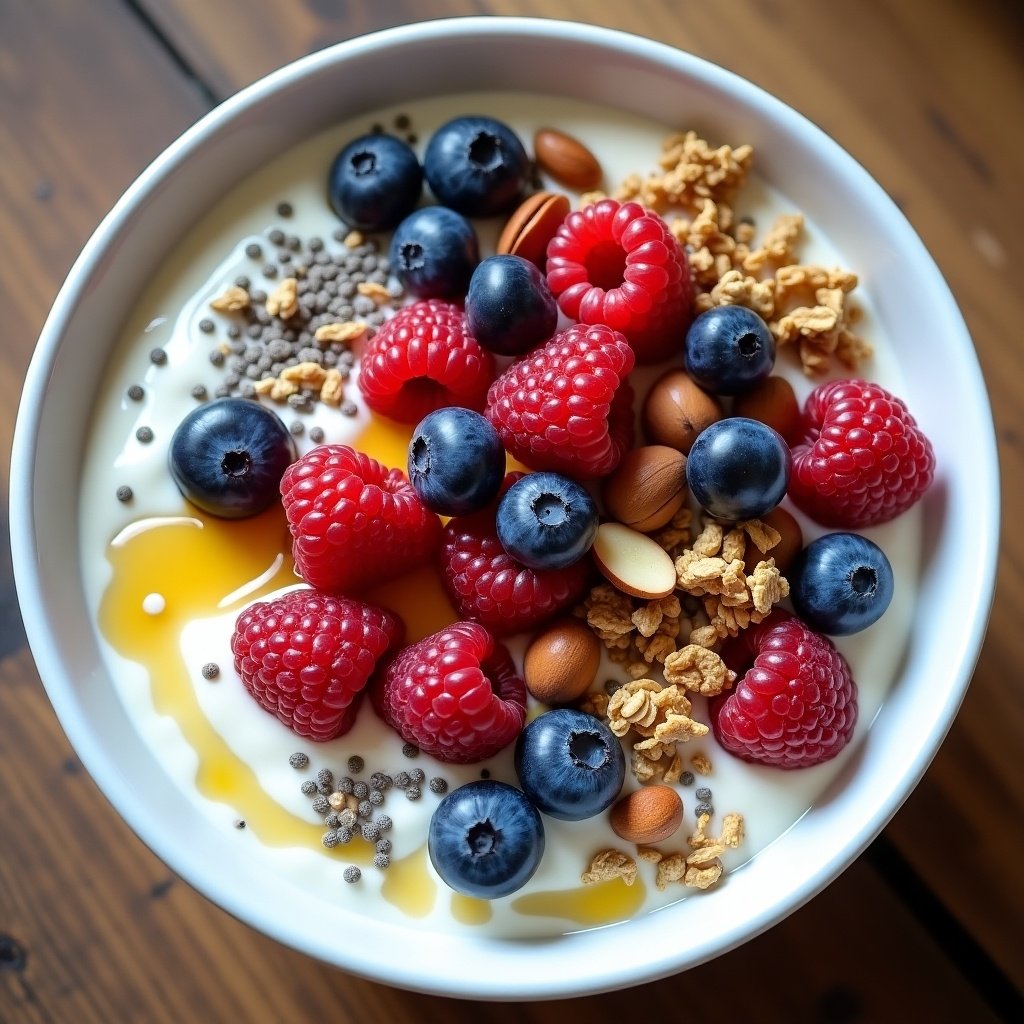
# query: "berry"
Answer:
x=487 y=585
x=228 y=456
x=738 y=468
x=795 y=706
x=423 y=358
x=509 y=306
x=729 y=350
x=840 y=583
x=456 y=694
x=456 y=462
x=619 y=264
x=485 y=839
x=547 y=521
x=570 y=764
x=306 y=657
x=862 y=459
x=374 y=182
x=354 y=522
x=476 y=165
x=567 y=406
x=433 y=253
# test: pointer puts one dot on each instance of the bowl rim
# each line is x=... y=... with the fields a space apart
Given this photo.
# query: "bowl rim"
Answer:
x=102 y=766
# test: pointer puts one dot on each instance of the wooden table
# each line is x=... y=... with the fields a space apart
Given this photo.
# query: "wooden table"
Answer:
x=927 y=926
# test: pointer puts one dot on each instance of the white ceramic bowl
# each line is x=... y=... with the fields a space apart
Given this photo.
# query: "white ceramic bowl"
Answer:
x=635 y=75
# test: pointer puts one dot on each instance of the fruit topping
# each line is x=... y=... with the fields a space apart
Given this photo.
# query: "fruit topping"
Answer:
x=306 y=657
x=570 y=764
x=456 y=461
x=729 y=350
x=374 y=182
x=456 y=694
x=353 y=522
x=738 y=469
x=433 y=253
x=567 y=406
x=509 y=307
x=841 y=583
x=476 y=165
x=618 y=264
x=424 y=358
x=795 y=706
x=862 y=460
x=228 y=456
x=485 y=839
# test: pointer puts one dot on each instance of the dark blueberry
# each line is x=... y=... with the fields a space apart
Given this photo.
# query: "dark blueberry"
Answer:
x=485 y=839
x=476 y=165
x=729 y=350
x=456 y=461
x=509 y=306
x=374 y=182
x=434 y=252
x=840 y=583
x=570 y=764
x=229 y=455
x=546 y=521
x=738 y=468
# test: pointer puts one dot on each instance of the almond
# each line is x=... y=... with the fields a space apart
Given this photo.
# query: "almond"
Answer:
x=633 y=562
x=528 y=231
x=648 y=815
x=562 y=661
x=566 y=159
x=647 y=488
x=774 y=402
x=676 y=410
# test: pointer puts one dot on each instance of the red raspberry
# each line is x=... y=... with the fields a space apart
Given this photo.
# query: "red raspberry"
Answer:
x=619 y=264
x=421 y=359
x=863 y=459
x=796 y=705
x=354 y=522
x=307 y=656
x=567 y=406
x=456 y=695
x=489 y=586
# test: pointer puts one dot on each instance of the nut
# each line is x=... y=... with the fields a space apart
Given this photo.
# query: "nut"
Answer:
x=566 y=159
x=647 y=488
x=633 y=562
x=676 y=410
x=562 y=661
x=528 y=231
x=648 y=815
x=788 y=547
x=774 y=402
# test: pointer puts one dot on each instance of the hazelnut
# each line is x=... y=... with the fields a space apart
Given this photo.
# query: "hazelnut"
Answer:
x=633 y=562
x=774 y=402
x=788 y=547
x=647 y=488
x=648 y=815
x=562 y=661
x=676 y=410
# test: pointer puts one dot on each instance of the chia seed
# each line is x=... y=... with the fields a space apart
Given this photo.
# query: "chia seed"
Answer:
x=325 y=777
x=402 y=121
x=258 y=296
x=284 y=209
x=376 y=797
x=308 y=787
x=135 y=393
x=124 y=493
x=275 y=236
x=206 y=325
x=360 y=790
x=356 y=764
x=371 y=831
x=144 y=434
x=382 y=861
x=242 y=282
x=321 y=806
x=199 y=392
x=686 y=778
x=293 y=242
x=297 y=427
x=705 y=808
x=410 y=750
x=438 y=785
x=158 y=357
x=254 y=250
x=611 y=685
x=298 y=760
x=344 y=835
x=412 y=138
x=703 y=794
x=211 y=670
x=384 y=823
x=330 y=839
x=402 y=780
x=269 y=270
x=351 y=874
x=349 y=408
x=417 y=775
x=381 y=781
x=239 y=822
x=222 y=391
x=332 y=820
x=315 y=244
x=485 y=773
x=413 y=793
x=365 y=809
x=345 y=785
x=284 y=257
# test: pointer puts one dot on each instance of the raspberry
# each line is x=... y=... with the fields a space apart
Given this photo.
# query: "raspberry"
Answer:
x=567 y=406
x=353 y=522
x=489 y=586
x=306 y=657
x=863 y=460
x=796 y=705
x=423 y=358
x=456 y=694
x=619 y=264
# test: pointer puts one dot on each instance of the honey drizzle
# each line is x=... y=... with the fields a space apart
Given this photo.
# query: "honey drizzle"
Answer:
x=589 y=905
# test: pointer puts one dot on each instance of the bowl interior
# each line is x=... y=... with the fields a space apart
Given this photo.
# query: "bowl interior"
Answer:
x=629 y=74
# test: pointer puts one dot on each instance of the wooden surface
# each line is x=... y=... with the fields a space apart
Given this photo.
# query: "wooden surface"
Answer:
x=929 y=96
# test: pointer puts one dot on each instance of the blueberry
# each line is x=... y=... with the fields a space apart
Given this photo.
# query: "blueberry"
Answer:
x=228 y=457
x=546 y=521
x=729 y=350
x=434 y=252
x=738 y=468
x=509 y=306
x=476 y=165
x=840 y=583
x=374 y=182
x=570 y=764
x=456 y=461
x=485 y=839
